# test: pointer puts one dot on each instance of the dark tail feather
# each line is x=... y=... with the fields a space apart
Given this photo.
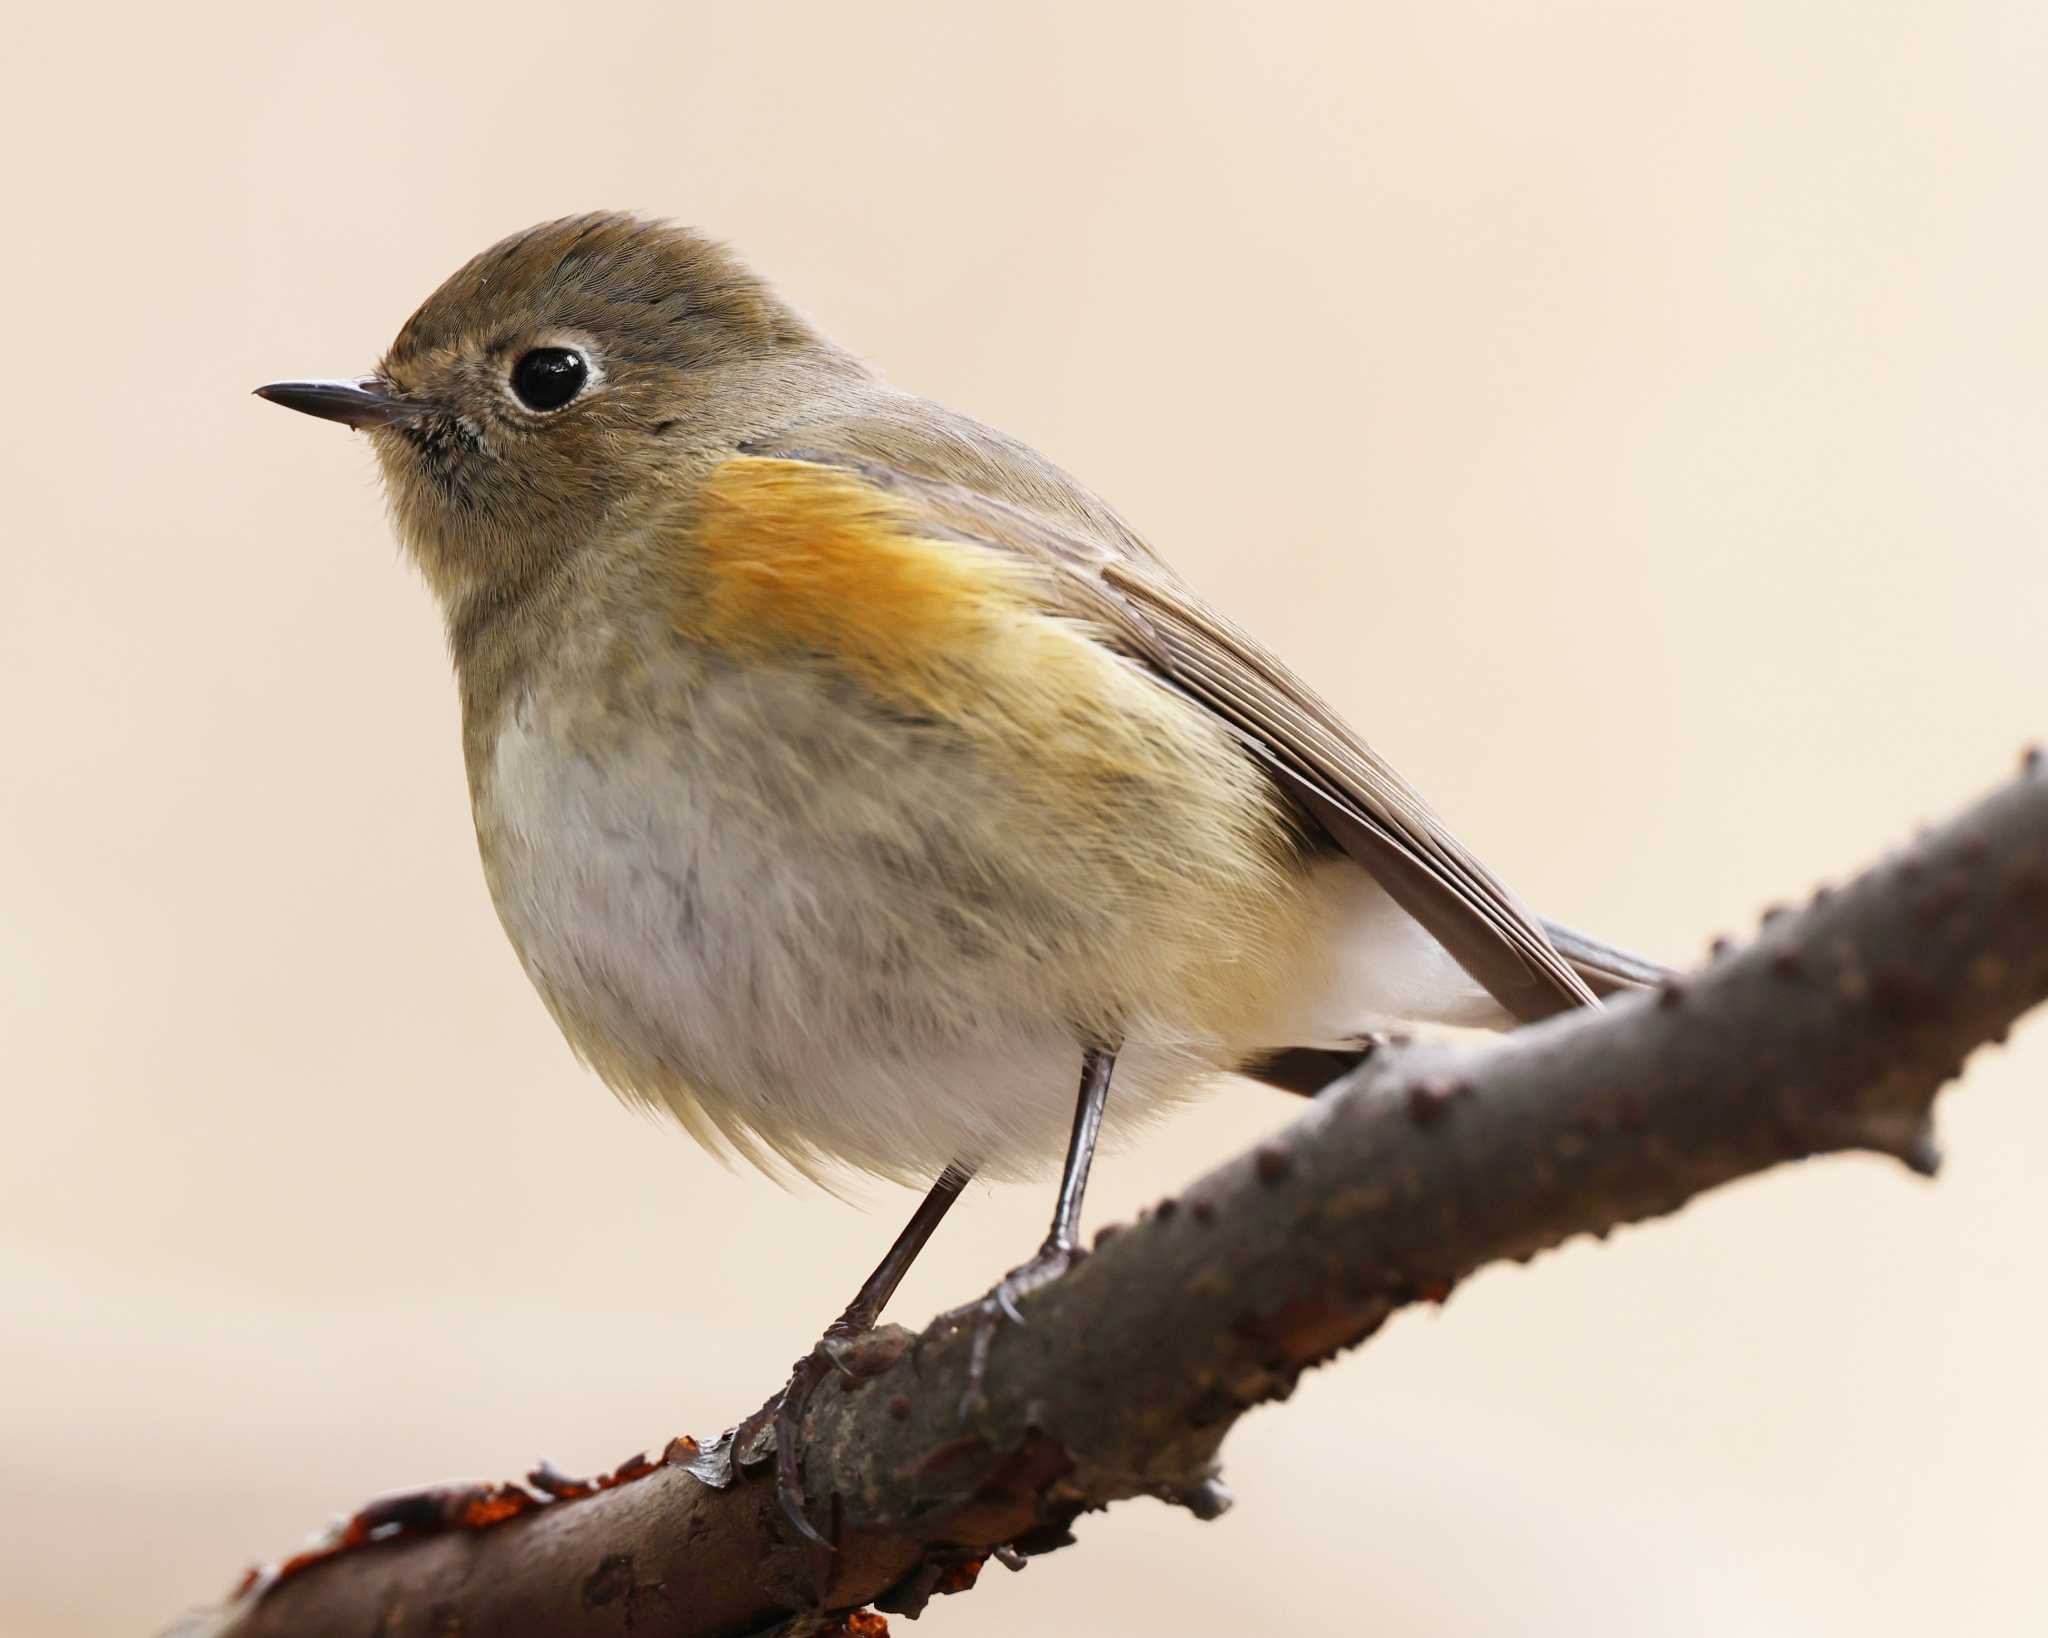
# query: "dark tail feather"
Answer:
x=1605 y=969
x=1306 y=1070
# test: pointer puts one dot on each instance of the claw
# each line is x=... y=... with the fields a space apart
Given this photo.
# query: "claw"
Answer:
x=986 y=1316
x=786 y=1412
x=974 y=1399
x=852 y=1353
x=789 y=1465
x=843 y=1352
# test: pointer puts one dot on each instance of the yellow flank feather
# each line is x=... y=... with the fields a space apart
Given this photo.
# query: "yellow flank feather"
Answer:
x=1108 y=793
x=799 y=560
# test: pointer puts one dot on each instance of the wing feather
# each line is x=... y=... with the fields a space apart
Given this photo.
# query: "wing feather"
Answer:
x=1368 y=809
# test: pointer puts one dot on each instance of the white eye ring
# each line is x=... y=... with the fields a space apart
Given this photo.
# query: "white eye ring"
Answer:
x=552 y=361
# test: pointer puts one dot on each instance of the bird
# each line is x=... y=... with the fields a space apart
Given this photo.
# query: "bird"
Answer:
x=860 y=789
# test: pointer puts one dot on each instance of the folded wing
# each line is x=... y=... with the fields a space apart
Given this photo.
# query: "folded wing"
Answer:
x=1138 y=605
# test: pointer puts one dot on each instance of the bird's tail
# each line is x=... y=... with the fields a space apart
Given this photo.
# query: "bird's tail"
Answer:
x=1605 y=969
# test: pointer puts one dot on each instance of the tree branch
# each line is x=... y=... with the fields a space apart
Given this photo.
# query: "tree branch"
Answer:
x=1833 y=1031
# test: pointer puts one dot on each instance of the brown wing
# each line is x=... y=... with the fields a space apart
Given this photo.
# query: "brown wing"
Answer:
x=1368 y=809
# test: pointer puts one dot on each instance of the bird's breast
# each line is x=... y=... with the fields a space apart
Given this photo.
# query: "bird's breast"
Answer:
x=787 y=863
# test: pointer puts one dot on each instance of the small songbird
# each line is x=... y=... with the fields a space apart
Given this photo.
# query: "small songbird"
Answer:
x=851 y=781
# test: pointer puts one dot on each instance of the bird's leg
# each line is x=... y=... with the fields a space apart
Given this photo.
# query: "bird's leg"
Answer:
x=1056 y=1255
x=831 y=1352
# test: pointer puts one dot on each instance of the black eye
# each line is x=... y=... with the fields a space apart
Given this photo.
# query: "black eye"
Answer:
x=548 y=377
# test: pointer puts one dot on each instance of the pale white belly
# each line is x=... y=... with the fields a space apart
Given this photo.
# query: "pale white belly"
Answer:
x=711 y=950
x=716 y=965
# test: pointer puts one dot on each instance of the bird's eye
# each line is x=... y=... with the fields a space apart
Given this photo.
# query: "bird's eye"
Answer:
x=548 y=377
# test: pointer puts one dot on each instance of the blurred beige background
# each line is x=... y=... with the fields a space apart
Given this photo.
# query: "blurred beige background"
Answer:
x=1631 y=414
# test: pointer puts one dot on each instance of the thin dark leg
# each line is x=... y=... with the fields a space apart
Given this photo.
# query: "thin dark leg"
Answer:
x=875 y=1292
x=1096 y=1068
x=1053 y=1259
x=789 y=1406
x=1056 y=1255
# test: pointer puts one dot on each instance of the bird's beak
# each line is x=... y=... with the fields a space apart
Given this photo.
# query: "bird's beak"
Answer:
x=369 y=402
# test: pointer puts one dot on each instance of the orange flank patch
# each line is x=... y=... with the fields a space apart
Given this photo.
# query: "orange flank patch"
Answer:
x=797 y=557
x=1093 y=788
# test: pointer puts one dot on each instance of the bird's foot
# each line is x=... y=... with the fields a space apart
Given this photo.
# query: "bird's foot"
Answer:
x=986 y=1316
x=843 y=1350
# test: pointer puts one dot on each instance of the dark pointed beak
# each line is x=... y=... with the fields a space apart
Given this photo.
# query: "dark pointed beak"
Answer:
x=365 y=403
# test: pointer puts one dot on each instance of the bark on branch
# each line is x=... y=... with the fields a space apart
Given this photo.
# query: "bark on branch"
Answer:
x=1832 y=1031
